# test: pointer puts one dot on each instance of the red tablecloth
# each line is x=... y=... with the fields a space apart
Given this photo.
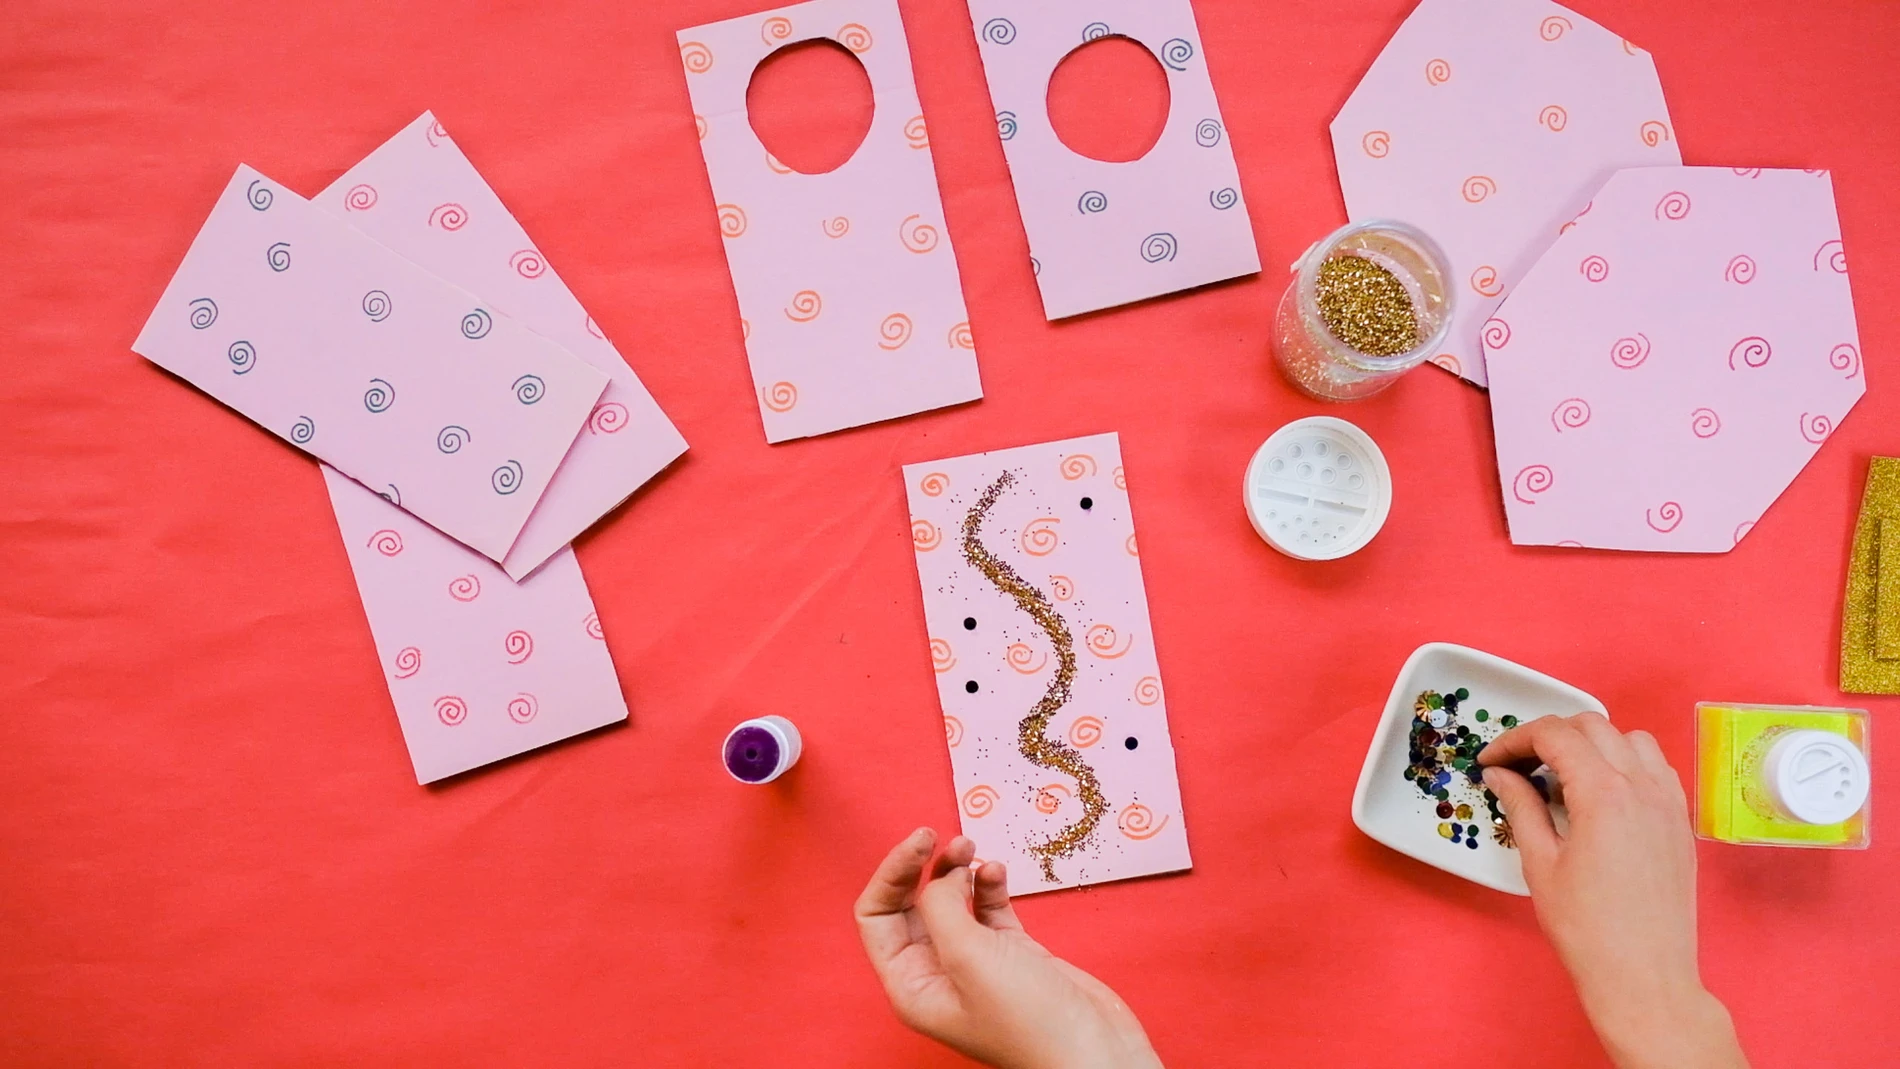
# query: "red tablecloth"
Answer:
x=212 y=850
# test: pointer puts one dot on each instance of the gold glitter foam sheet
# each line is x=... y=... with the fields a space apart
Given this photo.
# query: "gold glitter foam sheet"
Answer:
x=1366 y=306
x=1030 y=738
x=1870 y=622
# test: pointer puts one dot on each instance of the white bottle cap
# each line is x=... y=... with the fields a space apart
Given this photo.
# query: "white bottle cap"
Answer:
x=1318 y=489
x=1816 y=777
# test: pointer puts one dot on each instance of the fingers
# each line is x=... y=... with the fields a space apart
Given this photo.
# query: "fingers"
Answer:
x=945 y=906
x=1558 y=741
x=1650 y=758
x=880 y=909
x=958 y=853
x=1537 y=838
x=992 y=898
x=1611 y=743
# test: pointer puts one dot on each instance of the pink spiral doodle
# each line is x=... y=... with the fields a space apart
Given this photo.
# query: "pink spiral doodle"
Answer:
x=386 y=542
x=1845 y=358
x=1836 y=259
x=1752 y=351
x=1376 y=143
x=1553 y=118
x=592 y=626
x=1496 y=333
x=1572 y=413
x=1437 y=72
x=1673 y=205
x=451 y=710
x=1449 y=363
x=836 y=227
x=1594 y=268
x=1532 y=480
x=1565 y=229
x=1740 y=270
x=448 y=216
x=528 y=264
x=1627 y=353
x=1705 y=423
x=1664 y=519
x=519 y=645
x=408 y=662
x=436 y=134
x=1477 y=188
x=360 y=198
x=1747 y=172
x=522 y=707
x=1553 y=27
x=608 y=417
x=1485 y=281
x=1816 y=428
x=465 y=588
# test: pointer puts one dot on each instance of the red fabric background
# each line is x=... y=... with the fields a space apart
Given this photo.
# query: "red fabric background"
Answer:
x=211 y=847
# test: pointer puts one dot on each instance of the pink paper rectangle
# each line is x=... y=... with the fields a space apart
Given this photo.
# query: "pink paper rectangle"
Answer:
x=419 y=195
x=1050 y=563
x=370 y=363
x=480 y=667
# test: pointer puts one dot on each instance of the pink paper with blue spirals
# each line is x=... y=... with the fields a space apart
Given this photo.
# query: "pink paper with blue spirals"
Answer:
x=402 y=381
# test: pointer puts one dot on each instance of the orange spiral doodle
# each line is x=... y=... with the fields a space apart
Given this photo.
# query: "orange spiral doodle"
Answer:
x=1148 y=690
x=1041 y=538
x=1673 y=205
x=916 y=134
x=1137 y=822
x=699 y=124
x=1062 y=587
x=1485 y=281
x=1047 y=802
x=465 y=588
x=1376 y=143
x=952 y=730
x=780 y=396
x=1553 y=27
x=1023 y=659
x=1665 y=519
x=855 y=37
x=451 y=710
x=917 y=235
x=933 y=484
x=1553 y=118
x=1816 y=428
x=942 y=657
x=772 y=164
x=1129 y=547
x=1121 y=478
x=894 y=332
x=1437 y=72
x=1478 y=187
x=1078 y=466
x=775 y=29
x=1653 y=133
x=1594 y=268
x=386 y=542
x=522 y=707
x=1836 y=256
x=697 y=57
x=519 y=646
x=745 y=329
x=408 y=662
x=805 y=306
x=924 y=535
x=1449 y=363
x=731 y=220
x=837 y=226
x=960 y=337
x=979 y=800
x=1085 y=732
x=1740 y=270
x=1100 y=640
x=1630 y=48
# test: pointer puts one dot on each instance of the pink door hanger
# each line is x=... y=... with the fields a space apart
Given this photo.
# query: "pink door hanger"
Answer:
x=1107 y=234
x=848 y=290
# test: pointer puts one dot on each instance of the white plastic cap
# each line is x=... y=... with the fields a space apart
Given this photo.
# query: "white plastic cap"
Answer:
x=1318 y=489
x=1816 y=777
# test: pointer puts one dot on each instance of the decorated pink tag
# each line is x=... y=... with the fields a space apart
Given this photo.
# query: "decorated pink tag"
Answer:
x=364 y=360
x=1106 y=234
x=480 y=667
x=419 y=195
x=1046 y=664
x=1488 y=124
x=1669 y=366
x=848 y=290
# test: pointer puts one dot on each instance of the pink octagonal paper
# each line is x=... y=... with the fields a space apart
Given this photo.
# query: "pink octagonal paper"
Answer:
x=1488 y=124
x=1671 y=364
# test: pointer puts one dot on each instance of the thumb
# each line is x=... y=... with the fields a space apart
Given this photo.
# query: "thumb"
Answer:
x=945 y=906
x=1529 y=814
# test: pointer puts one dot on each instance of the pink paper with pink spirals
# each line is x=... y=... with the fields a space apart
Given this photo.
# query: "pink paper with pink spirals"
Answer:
x=1085 y=561
x=1671 y=364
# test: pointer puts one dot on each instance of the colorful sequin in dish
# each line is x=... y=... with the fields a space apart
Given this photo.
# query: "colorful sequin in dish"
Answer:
x=1779 y=775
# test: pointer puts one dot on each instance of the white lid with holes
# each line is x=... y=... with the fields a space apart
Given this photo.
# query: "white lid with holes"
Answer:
x=1816 y=777
x=1318 y=489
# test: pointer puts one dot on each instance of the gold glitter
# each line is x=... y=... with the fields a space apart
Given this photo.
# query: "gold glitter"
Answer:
x=1030 y=738
x=1366 y=306
x=1873 y=587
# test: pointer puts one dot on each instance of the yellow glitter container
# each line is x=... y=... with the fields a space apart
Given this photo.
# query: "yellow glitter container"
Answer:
x=1783 y=775
x=1314 y=358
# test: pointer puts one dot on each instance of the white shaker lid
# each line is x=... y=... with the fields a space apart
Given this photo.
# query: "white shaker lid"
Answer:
x=1817 y=777
x=1318 y=489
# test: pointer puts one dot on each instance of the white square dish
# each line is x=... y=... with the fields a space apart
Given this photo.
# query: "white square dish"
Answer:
x=1392 y=810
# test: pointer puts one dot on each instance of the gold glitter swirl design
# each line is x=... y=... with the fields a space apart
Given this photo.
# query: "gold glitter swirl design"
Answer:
x=1037 y=747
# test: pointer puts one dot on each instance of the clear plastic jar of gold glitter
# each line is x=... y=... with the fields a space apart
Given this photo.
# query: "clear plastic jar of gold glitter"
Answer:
x=1347 y=329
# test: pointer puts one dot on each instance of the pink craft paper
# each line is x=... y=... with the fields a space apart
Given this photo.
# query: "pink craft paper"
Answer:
x=1065 y=527
x=1669 y=366
x=480 y=667
x=1105 y=234
x=370 y=363
x=419 y=195
x=1488 y=124
x=848 y=290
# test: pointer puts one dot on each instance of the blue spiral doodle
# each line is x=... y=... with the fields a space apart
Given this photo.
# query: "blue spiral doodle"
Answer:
x=1092 y=202
x=528 y=389
x=1208 y=133
x=243 y=357
x=1157 y=248
x=1035 y=267
x=259 y=195
x=999 y=31
x=1176 y=53
x=379 y=396
x=1223 y=199
x=204 y=312
x=278 y=256
x=392 y=495
x=1006 y=124
x=476 y=324
x=303 y=430
x=452 y=438
x=507 y=478
x=1095 y=31
x=376 y=305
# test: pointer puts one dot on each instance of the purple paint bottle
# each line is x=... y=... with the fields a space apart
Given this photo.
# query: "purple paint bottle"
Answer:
x=762 y=749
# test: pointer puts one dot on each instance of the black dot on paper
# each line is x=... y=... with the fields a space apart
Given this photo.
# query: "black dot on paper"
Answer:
x=971 y=686
x=1131 y=742
x=969 y=623
x=1088 y=503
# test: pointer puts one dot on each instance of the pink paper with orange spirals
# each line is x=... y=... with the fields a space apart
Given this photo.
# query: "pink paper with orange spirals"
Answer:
x=1670 y=365
x=1086 y=562
x=850 y=303
x=1488 y=124
x=480 y=667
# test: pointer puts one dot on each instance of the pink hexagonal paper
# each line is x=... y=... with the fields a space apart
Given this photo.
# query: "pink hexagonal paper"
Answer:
x=1669 y=366
x=1488 y=123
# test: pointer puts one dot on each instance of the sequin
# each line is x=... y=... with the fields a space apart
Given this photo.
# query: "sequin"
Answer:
x=1463 y=811
x=1444 y=831
x=1445 y=810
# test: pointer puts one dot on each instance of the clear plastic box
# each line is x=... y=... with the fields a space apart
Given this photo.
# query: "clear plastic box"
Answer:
x=1784 y=775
